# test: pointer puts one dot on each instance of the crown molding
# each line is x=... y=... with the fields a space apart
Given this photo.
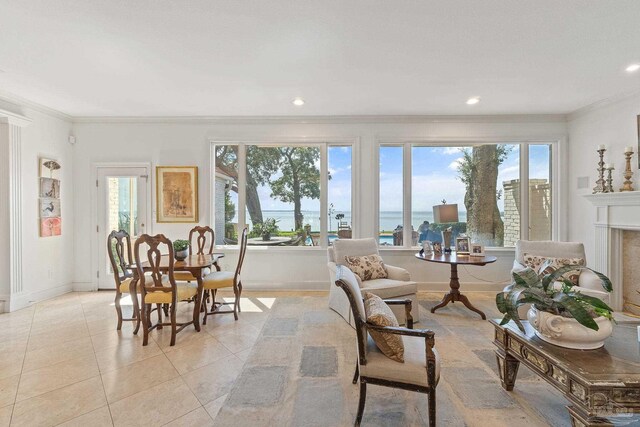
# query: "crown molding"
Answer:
x=354 y=119
x=22 y=103
x=12 y=118
x=583 y=111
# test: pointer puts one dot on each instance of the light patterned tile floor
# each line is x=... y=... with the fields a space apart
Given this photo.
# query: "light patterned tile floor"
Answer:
x=62 y=362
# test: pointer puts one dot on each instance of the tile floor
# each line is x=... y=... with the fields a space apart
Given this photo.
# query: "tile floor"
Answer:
x=62 y=362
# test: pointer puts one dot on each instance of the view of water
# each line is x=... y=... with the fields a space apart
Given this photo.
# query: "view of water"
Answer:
x=389 y=220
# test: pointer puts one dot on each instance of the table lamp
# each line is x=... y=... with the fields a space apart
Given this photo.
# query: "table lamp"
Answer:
x=445 y=213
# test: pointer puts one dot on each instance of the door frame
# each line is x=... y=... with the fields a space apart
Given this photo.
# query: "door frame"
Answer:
x=95 y=253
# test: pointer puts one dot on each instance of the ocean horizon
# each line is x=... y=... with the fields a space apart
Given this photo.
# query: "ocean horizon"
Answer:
x=389 y=220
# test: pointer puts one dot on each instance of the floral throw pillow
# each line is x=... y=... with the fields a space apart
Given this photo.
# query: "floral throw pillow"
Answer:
x=536 y=262
x=378 y=313
x=367 y=267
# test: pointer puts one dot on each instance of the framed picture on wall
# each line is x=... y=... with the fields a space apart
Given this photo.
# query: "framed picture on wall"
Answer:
x=177 y=193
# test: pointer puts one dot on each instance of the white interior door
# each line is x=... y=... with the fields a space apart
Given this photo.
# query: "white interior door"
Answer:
x=123 y=204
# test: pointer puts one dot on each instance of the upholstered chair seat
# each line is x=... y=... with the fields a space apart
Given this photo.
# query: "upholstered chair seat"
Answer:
x=219 y=279
x=185 y=292
x=397 y=284
x=185 y=276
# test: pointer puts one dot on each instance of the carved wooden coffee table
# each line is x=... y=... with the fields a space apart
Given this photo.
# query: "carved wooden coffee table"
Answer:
x=601 y=385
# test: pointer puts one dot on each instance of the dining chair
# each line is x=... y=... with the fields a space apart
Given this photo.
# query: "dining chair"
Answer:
x=119 y=250
x=163 y=288
x=226 y=279
x=421 y=368
x=205 y=242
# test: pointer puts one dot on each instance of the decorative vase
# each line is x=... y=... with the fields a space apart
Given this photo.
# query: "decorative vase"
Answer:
x=266 y=237
x=181 y=255
x=567 y=332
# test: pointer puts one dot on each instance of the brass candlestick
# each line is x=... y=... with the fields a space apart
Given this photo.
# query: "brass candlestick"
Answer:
x=600 y=184
x=609 y=186
x=627 y=173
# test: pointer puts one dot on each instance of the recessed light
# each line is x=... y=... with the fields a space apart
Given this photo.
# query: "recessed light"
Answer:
x=473 y=101
x=298 y=102
x=633 y=68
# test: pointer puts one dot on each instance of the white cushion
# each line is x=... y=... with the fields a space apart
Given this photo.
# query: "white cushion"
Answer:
x=388 y=288
x=412 y=371
x=353 y=247
x=549 y=248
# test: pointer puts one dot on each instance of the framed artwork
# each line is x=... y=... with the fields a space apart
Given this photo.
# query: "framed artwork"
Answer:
x=50 y=227
x=49 y=168
x=49 y=203
x=476 y=250
x=49 y=208
x=49 y=187
x=462 y=245
x=177 y=193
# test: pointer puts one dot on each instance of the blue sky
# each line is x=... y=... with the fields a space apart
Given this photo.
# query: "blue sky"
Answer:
x=434 y=177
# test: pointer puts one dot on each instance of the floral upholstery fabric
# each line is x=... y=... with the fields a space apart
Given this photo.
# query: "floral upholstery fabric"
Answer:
x=536 y=262
x=367 y=267
x=378 y=313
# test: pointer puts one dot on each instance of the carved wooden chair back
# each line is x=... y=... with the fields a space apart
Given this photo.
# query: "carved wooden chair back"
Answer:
x=205 y=234
x=153 y=256
x=346 y=280
x=119 y=250
x=241 y=254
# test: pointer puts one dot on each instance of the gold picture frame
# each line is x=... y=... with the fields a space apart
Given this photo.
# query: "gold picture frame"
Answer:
x=176 y=194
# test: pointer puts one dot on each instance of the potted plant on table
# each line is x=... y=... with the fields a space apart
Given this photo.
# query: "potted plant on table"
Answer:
x=180 y=249
x=559 y=314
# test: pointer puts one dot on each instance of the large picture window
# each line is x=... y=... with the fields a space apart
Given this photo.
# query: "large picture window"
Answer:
x=286 y=194
x=484 y=181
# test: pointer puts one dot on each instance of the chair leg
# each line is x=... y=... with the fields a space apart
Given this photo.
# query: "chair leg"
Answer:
x=173 y=325
x=165 y=308
x=136 y=313
x=146 y=322
x=432 y=407
x=118 y=309
x=159 y=309
x=204 y=304
x=363 y=397
x=356 y=374
x=239 y=294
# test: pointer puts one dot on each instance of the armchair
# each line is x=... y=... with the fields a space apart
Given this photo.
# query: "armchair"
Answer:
x=588 y=284
x=421 y=368
x=398 y=284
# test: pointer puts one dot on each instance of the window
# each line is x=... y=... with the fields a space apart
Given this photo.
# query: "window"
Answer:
x=287 y=195
x=483 y=180
x=391 y=212
x=339 y=192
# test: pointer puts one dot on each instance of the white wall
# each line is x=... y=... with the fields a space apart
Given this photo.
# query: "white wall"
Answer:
x=616 y=126
x=48 y=265
x=186 y=142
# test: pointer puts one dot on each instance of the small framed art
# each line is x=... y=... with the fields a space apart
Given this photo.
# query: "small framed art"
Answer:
x=476 y=250
x=462 y=245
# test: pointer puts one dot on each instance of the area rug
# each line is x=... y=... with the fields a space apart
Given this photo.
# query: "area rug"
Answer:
x=299 y=374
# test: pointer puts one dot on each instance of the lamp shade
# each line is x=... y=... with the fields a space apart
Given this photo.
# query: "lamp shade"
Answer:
x=445 y=213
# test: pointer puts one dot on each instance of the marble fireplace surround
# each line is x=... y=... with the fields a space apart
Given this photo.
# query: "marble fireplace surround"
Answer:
x=615 y=212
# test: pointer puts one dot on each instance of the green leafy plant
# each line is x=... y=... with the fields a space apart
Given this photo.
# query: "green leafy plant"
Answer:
x=180 y=245
x=266 y=228
x=530 y=288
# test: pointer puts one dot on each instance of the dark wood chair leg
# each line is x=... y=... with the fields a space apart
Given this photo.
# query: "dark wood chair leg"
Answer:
x=363 y=397
x=118 y=309
x=173 y=325
x=165 y=308
x=159 y=308
x=356 y=374
x=146 y=323
x=236 y=303
x=432 y=407
x=136 y=307
x=239 y=294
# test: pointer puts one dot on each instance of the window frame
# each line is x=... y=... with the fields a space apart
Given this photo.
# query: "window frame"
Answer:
x=556 y=154
x=323 y=144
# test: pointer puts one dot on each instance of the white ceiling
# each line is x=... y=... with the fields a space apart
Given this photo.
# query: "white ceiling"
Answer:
x=344 y=57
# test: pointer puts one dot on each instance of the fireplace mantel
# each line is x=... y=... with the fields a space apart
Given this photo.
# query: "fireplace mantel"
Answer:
x=614 y=212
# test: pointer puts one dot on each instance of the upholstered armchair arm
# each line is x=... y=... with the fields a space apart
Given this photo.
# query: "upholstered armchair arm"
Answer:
x=407 y=309
x=397 y=273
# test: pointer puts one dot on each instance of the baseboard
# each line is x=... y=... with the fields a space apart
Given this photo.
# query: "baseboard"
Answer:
x=83 y=286
x=25 y=299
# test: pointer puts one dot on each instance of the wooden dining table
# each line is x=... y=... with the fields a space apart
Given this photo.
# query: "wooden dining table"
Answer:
x=194 y=264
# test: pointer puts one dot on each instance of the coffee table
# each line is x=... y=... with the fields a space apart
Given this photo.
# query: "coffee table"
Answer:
x=454 y=260
x=602 y=386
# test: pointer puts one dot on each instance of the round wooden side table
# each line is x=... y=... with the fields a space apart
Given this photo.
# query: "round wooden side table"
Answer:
x=454 y=260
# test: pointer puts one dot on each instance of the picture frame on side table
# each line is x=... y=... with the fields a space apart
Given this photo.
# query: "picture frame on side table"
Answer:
x=177 y=194
x=476 y=249
x=462 y=245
